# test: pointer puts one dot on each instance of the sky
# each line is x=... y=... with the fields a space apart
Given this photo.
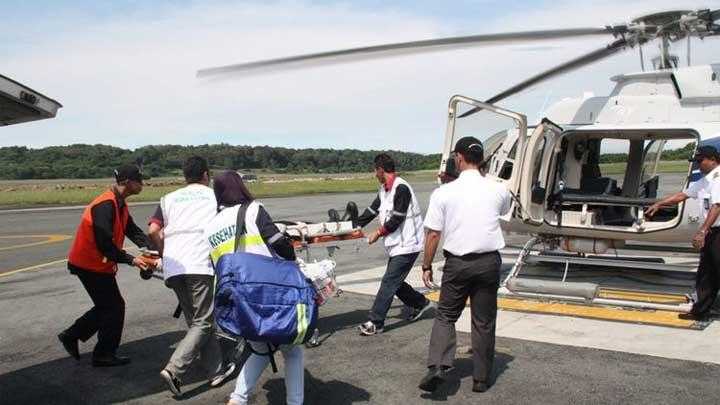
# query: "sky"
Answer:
x=125 y=70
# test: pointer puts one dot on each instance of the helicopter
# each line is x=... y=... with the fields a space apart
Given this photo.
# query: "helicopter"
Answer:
x=572 y=211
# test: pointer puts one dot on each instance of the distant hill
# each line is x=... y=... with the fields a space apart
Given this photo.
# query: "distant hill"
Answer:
x=95 y=161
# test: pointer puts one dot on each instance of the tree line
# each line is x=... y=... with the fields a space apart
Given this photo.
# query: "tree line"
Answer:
x=97 y=161
x=683 y=153
x=81 y=161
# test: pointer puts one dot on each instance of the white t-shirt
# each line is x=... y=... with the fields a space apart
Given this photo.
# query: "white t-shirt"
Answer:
x=467 y=211
x=707 y=192
x=185 y=213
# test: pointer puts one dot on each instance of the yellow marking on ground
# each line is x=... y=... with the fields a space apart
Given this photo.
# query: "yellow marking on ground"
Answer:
x=641 y=296
x=48 y=239
x=39 y=266
x=650 y=317
x=35 y=267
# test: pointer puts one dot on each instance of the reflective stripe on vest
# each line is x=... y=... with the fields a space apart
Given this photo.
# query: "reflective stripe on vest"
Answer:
x=84 y=252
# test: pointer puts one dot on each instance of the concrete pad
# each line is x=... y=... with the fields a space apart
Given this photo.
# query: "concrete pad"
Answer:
x=571 y=331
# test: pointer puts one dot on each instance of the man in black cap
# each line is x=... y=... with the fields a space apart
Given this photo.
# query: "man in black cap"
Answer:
x=93 y=258
x=707 y=239
x=467 y=213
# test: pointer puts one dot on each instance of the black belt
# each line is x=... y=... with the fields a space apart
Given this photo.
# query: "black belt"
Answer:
x=469 y=256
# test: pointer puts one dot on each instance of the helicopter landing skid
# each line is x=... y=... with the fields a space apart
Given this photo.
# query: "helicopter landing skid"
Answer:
x=547 y=275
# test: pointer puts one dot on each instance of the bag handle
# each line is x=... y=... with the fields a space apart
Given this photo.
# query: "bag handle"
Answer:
x=240 y=228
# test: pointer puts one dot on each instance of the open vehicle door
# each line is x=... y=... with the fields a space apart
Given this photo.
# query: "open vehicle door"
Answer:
x=501 y=131
x=537 y=164
x=19 y=103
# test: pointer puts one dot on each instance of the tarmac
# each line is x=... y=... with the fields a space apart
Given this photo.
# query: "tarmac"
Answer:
x=543 y=359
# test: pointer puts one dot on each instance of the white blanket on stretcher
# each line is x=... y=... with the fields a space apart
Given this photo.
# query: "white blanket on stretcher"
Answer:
x=322 y=275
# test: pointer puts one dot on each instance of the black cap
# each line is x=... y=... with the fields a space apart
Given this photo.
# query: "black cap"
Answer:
x=128 y=172
x=706 y=151
x=469 y=146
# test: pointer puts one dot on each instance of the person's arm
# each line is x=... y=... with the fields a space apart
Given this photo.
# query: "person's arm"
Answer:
x=401 y=203
x=712 y=216
x=103 y=216
x=667 y=201
x=432 y=240
x=272 y=236
x=155 y=230
x=370 y=213
x=506 y=201
x=135 y=234
x=434 y=224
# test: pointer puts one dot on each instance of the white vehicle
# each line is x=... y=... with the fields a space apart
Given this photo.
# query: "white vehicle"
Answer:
x=19 y=103
x=552 y=168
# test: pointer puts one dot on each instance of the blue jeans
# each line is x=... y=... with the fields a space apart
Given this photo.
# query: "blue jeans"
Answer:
x=393 y=283
x=255 y=365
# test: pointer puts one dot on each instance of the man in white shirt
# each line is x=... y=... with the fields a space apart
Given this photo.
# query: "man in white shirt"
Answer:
x=467 y=212
x=177 y=228
x=707 y=192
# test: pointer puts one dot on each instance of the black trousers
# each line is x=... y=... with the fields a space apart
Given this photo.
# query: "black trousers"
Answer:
x=476 y=276
x=106 y=317
x=707 y=280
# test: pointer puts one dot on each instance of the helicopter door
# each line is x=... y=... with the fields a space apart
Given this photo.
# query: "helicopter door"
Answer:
x=498 y=130
x=537 y=164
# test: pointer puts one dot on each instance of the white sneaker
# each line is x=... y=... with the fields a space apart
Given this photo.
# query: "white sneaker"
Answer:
x=220 y=378
x=418 y=313
x=369 y=329
x=172 y=382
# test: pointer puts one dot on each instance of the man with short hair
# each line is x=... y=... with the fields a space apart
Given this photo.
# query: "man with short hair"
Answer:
x=467 y=212
x=177 y=229
x=707 y=238
x=401 y=228
x=93 y=258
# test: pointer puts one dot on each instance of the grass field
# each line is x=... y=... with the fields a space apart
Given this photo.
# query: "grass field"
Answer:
x=32 y=193
x=672 y=166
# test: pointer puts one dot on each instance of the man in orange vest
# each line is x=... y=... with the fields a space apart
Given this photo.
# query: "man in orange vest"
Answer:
x=93 y=258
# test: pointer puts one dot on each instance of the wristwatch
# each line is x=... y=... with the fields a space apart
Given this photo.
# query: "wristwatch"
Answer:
x=426 y=268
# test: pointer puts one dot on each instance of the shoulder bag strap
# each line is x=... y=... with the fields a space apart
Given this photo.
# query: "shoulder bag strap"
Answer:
x=240 y=228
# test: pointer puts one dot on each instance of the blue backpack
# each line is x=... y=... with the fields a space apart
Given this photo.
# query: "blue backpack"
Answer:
x=263 y=299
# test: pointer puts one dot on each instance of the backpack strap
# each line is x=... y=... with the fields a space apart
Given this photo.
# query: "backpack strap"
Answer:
x=240 y=228
x=270 y=353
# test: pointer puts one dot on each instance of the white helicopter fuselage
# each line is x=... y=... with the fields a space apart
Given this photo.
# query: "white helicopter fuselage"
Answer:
x=554 y=170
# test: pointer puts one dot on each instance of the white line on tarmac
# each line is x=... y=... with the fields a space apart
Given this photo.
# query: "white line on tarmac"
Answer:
x=67 y=208
x=35 y=267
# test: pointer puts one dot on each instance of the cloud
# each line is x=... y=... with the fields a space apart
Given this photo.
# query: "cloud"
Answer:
x=128 y=80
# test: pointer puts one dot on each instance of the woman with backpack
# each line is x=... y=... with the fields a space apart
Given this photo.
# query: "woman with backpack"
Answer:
x=260 y=237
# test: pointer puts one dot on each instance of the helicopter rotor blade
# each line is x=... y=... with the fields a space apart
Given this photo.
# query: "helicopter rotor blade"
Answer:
x=572 y=64
x=414 y=47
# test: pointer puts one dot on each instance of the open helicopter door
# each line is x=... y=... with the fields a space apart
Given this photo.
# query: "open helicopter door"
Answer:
x=499 y=131
x=537 y=164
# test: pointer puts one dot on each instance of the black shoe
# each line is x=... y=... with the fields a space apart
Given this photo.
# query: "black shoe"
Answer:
x=110 y=361
x=434 y=377
x=690 y=316
x=479 y=386
x=70 y=344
